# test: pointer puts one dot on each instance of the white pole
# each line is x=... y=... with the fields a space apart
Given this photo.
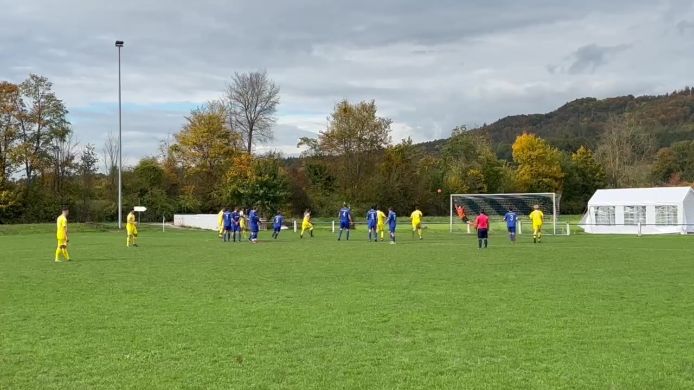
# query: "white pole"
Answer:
x=519 y=225
x=333 y=226
x=568 y=229
x=451 y=212
x=639 y=233
x=163 y=223
x=120 y=147
x=295 y=229
x=468 y=228
x=554 y=212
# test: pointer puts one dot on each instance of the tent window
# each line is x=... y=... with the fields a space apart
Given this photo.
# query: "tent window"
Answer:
x=666 y=215
x=633 y=215
x=604 y=215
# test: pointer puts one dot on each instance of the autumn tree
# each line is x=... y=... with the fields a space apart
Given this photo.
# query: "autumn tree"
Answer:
x=9 y=104
x=584 y=175
x=252 y=98
x=538 y=164
x=41 y=118
x=203 y=150
x=471 y=166
x=354 y=135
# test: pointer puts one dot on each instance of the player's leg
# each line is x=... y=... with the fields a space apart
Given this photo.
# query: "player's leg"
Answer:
x=311 y=230
x=134 y=240
x=58 y=251
x=419 y=231
x=486 y=237
x=539 y=233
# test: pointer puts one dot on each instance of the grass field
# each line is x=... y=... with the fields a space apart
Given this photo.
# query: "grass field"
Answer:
x=187 y=311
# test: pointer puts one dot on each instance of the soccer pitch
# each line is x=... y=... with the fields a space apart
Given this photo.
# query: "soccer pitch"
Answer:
x=185 y=310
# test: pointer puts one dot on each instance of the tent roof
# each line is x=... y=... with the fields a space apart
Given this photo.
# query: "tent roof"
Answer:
x=640 y=196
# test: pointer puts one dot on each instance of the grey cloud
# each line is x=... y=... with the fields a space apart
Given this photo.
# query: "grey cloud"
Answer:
x=684 y=26
x=588 y=58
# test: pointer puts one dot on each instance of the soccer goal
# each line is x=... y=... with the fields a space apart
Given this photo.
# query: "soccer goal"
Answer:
x=498 y=205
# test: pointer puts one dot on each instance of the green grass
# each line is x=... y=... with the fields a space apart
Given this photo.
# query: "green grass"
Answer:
x=187 y=311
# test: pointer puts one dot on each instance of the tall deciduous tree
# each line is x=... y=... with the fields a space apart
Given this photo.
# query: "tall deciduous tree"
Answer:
x=584 y=175
x=9 y=104
x=625 y=150
x=204 y=149
x=354 y=133
x=42 y=117
x=253 y=99
x=538 y=164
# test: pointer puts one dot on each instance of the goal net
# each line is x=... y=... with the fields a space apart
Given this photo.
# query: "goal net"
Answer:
x=496 y=205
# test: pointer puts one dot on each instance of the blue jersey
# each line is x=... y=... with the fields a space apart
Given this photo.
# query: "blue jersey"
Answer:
x=236 y=217
x=345 y=214
x=227 y=219
x=278 y=221
x=392 y=219
x=253 y=220
x=371 y=217
x=511 y=218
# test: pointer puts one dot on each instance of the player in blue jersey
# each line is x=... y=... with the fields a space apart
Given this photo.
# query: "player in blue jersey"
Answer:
x=511 y=219
x=254 y=225
x=277 y=223
x=372 y=221
x=236 y=224
x=392 y=221
x=345 y=216
x=228 y=225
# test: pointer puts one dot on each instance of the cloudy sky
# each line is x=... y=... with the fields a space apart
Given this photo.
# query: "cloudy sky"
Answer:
x=430 y=65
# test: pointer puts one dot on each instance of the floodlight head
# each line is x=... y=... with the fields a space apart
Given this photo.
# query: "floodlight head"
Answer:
x=119 y=43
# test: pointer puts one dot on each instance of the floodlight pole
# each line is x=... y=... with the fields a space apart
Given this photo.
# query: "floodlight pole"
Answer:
x=119 y=45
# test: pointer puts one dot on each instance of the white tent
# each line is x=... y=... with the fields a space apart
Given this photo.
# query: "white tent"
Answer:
x=665 y=210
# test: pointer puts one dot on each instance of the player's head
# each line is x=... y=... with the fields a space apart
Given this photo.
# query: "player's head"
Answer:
x=390 y=209
x=483 y=212
x=416 y=208
x=374 y=207
x=344 y=204
x=510 y=209
x=65 y=211
x=536 y=207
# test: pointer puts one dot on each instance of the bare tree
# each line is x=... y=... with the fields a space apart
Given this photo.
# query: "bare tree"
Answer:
x=110 y=152
x=253 y=100
x=624 y=151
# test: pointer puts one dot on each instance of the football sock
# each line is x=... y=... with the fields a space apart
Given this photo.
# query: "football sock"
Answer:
x=485 y=242
x=57 y=254
x=479 y=243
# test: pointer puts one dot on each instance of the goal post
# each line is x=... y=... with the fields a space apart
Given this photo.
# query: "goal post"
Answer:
x=498 y=205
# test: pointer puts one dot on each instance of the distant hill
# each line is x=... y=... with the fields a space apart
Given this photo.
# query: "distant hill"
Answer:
x=670 y=118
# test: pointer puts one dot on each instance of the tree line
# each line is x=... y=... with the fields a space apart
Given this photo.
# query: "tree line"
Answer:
x=209 y=162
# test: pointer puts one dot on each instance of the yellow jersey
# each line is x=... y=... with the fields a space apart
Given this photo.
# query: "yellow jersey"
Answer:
x=131 y=218
x=307 y=218
x=381 y=217
x=537 y=217
x=220 y=218
x=416 y=217
x=61 y=225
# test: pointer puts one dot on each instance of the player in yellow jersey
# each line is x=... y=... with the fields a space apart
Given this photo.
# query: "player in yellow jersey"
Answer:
x=306 y=224
x=242 y=225
x=537 y=217
x=220 y=223
x=381 y=225
x=131 y=229
x=61 y=235
x=416 y=218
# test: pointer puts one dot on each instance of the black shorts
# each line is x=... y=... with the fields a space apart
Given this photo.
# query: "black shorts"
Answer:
x=482 y=233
